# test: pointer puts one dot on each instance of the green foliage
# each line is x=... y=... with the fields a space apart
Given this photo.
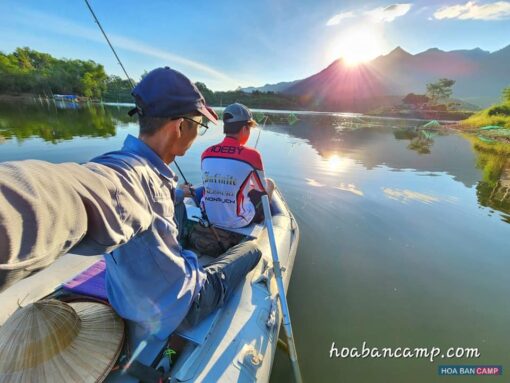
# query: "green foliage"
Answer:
x=28 y=71
x=489 y=116
x=117 y=90
x=206 y=92
x=492 y=159
x=506 y=95
x=420 y=145
x=499 y=110
x=415 y=99
x=497 y=115
x=482 y=118
x=440 y=90
x=256 y=99
x=25 y=120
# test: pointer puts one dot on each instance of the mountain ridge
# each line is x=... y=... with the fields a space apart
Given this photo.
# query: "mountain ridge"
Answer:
x=480 y=76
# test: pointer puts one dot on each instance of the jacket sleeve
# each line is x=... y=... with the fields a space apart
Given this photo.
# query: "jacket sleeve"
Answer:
x=48 y=209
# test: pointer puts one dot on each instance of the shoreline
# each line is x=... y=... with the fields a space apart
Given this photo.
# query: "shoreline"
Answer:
x=453 y=116
x=440 y=116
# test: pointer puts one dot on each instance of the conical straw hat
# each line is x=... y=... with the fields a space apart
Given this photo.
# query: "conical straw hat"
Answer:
x=53 y=341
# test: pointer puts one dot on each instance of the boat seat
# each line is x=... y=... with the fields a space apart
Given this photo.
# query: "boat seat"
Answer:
x=91 y=283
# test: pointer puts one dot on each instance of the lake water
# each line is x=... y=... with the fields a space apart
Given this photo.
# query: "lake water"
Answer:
x=404 y=233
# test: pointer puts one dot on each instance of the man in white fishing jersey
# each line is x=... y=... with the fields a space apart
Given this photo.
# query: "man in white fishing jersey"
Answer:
x=233 y=175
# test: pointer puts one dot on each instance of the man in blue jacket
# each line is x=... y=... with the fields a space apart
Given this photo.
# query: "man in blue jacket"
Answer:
x=121 y=204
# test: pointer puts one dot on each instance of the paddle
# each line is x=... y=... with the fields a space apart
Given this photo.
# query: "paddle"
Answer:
x=281 y=290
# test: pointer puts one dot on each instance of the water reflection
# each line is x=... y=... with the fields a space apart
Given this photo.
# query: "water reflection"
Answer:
x=431 y=152
x=420 y=140
x=336 y=163
x=384 y=226
x=349 y=188
x=314 y=183
x=54 y=124
x=493 y=191
x=406 y=195
x=376 y=142
x=342 y=141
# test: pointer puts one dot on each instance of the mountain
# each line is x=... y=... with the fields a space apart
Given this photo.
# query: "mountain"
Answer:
x=340 y=87
x=480 y=77
x=271 y=87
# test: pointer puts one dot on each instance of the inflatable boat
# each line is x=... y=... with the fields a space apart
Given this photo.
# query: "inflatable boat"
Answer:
x=236 y=343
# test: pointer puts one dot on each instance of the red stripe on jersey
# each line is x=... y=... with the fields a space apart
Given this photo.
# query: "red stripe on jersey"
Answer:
x=240 y=195
x=230 y=148
x=259 y=182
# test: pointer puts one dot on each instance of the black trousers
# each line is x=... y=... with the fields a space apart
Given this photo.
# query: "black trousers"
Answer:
x=223 y=275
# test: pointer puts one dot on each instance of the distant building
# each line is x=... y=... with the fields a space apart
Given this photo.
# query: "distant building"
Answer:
x=66 y=97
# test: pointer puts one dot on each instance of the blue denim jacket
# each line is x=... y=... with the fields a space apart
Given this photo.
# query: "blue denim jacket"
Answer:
x=151 y=279
x=121 y=204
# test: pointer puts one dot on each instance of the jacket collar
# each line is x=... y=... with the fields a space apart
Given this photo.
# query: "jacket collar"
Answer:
x=136 y=146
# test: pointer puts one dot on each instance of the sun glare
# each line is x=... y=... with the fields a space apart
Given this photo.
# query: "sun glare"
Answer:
x=334 y=162
x=357 y=45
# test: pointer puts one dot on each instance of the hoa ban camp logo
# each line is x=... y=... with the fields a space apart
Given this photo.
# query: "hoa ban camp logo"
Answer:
x=470 y=370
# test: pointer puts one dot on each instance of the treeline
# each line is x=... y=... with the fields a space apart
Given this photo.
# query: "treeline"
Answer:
x=255 y=99
x=28 y=71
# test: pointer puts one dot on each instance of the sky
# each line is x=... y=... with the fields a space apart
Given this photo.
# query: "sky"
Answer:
x=227 y=44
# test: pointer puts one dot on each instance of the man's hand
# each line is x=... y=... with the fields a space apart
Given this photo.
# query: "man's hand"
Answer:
x=187 y=189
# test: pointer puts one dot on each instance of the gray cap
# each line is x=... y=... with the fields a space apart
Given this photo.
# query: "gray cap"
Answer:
x=237 y=113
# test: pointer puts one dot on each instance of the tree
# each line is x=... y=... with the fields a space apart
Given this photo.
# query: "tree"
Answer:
x=440 y=90
x=415 y=99
x=206 y=92
x=506 y=94
x=26 y=70
x=117 y=90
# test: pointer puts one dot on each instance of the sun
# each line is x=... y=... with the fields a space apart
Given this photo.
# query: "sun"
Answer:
x=357 y=45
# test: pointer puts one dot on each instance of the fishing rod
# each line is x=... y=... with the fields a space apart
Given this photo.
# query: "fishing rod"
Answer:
x=182 y=174
x=260 y=130
x=109 y=43
x=124 y=69
x=191 y=189
x=287 y=326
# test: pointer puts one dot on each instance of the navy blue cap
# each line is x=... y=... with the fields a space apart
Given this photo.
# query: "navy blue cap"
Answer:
x=165 y=92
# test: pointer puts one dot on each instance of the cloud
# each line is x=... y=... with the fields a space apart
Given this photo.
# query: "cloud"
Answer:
x=406 y=195
x=498 y=10
x=389 y=13
x=381 y=14
x=314 y=183
x=335 y=20
x=350 y=188
x=66 y=27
